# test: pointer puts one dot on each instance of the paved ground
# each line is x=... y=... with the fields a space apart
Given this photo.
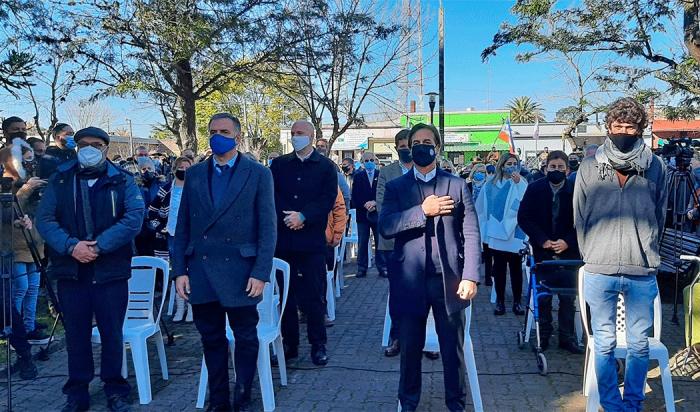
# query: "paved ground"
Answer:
x=360 y=378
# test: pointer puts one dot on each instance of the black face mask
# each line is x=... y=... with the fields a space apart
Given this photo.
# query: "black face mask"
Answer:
x=405 y=155
x=556 y=176
x=148 y=176
x=20 y=135
x=624 y=142
x=346 y=169
x=573 y=164
x=423 y=154
x=180 y=174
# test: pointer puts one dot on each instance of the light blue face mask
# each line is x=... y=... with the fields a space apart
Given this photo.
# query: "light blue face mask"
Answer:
x=90 y=156
x=69 y=142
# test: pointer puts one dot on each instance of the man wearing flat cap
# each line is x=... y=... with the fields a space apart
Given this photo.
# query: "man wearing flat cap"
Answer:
x=89 y=215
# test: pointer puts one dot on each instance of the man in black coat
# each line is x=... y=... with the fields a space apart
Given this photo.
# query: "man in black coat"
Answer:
x=306 y=186
x=62 y=151
x=546 y=215
x=89 y=216
x=364 y=201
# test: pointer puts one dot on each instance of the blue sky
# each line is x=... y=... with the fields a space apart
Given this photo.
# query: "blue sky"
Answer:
x=469 y=28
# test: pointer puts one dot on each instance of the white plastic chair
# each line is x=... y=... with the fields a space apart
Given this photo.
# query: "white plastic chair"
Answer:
x=339 y=281
x=140 y=324
x=269 y=333
x=657 y=351
x=431 y=344
x=330 y=293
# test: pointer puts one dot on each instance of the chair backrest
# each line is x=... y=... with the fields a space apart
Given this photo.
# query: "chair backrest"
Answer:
x=269 y=309
x=142 y=286
x=620 y=320
x=336 y=256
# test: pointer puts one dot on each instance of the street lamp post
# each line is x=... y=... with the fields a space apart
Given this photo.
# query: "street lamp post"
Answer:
x=431 y=104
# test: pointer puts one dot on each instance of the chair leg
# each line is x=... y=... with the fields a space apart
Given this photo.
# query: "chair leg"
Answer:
x=203 y=383
x=493 y=292
x=472 y=374
x=387 y=326
x=586 y=369
x=578 y=327
x=171 y=299
x=265 y=376
x=529 y=323
x=125 y=364
x=336 y=279
x=142 y=371
x=592 y=385
x=330 y=296
x=667 y=384
x=279 y=352
x=161 y=355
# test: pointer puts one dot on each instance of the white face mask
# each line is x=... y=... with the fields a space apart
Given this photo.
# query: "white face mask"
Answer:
x=90 y=156
x=300 y=142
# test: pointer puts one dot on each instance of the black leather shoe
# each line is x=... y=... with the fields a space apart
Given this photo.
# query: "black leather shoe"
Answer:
x=361 y=275
x=118 y=403
x=393 y=349
x=26 y=367
x=318 y=355
x=219 y=408
x=500 y=309
x=571 y=347
x=75 y=406
x=518 y=309
x=241 y=399
x=383 y=273
x=432 y=355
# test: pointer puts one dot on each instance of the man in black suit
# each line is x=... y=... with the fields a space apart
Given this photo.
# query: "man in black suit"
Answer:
x=306 y=186
x=363 y=200
x=435 y=265
x=546 y=215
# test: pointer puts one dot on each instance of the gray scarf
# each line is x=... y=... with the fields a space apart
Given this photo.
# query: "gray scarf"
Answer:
x=610 y=158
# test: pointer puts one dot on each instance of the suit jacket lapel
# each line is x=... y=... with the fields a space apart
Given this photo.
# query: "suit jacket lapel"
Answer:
x=234 y=188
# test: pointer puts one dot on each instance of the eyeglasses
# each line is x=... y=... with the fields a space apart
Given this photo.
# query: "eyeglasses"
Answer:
x=96 y=145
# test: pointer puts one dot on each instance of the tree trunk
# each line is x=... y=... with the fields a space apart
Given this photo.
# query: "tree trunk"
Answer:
x=691 y=28
x=187 y=101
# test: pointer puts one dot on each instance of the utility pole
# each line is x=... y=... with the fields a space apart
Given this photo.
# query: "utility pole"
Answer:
x=441 y=74
x=131 y=137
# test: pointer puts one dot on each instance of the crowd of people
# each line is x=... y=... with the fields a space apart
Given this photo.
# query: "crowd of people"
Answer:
x=439 y=233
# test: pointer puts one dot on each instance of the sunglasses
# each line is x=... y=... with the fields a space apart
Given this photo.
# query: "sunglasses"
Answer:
x=369 y=160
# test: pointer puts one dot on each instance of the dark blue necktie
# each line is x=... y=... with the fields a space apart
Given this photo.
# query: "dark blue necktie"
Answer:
x=222 y=169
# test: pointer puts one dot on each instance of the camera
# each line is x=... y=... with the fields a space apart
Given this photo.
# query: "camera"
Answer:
x=681 y=149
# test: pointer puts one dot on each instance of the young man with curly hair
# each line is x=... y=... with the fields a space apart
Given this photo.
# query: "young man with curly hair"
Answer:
x=619 y=210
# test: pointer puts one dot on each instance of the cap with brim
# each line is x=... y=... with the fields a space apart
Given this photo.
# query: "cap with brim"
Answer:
x=91 y=132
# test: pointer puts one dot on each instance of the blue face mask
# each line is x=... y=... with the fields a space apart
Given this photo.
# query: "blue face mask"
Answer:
x=69 y=142
x=370 y=166
x=221 y=144
x=509 y=170
x=478 y=176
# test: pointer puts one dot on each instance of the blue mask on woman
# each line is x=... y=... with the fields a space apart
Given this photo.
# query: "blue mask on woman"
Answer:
x=221 y=144
x=509 y=170
x=478 y=176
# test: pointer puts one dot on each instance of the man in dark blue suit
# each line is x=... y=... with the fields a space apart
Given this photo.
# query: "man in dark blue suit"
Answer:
x=224 y=245
x=435 y=264
x=363 y=200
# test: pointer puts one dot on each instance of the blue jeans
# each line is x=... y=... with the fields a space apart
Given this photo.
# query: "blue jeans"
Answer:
x=601 y=294
x=25 y=285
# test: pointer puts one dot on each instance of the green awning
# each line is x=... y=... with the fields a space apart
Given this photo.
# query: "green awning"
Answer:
x=476 y=147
